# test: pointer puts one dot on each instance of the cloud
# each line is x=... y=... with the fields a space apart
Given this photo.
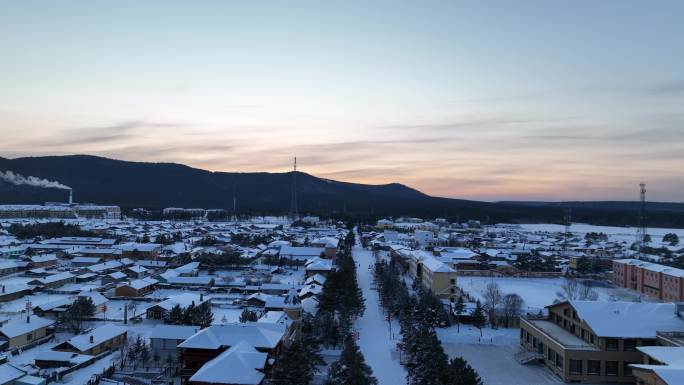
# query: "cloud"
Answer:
x=673 y=88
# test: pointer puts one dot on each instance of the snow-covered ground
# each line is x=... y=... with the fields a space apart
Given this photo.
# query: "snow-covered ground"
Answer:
x=616 y=234
x=492 y=355
x=539 y=292
x=378 y=348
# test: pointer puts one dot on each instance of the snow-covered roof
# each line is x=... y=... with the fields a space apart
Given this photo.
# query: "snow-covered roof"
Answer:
x=183 y=300
x=142 y=283
x=628 y=319
x=18 y=326
x=83 y=342
x=243 y=361
x=265 y=336
x=654 y=267
x=173 y=332
x=9 y=373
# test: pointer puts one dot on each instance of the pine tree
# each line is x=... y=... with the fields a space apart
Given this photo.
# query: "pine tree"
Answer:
x=176 y=315
x=203 y=316
x=297 y=365
x=461 y=373
x=459 y=306
x=248 y=316
x=351 y=368
x=188 y=314
x=478 y=317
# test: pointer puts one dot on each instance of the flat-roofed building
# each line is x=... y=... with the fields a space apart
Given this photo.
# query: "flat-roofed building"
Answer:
x=594 y=341
x=657 y=281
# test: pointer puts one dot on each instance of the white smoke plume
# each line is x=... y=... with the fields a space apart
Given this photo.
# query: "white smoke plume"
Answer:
x=18 y=179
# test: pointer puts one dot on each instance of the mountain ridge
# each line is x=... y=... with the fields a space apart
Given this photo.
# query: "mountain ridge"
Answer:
x=156 y=185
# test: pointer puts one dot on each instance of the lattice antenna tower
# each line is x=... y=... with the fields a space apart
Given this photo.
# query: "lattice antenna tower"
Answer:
x=294 y=210
x=641 y=231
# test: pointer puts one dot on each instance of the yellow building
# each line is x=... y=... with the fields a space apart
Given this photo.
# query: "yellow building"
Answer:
x=433 y=274
x=18 y=332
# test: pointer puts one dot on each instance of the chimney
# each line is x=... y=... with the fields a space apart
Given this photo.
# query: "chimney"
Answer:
x=201 y=294
x=71 y=196
x=3 y=288
x=92 y=339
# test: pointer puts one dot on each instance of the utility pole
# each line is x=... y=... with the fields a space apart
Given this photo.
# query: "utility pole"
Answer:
x=567 y=220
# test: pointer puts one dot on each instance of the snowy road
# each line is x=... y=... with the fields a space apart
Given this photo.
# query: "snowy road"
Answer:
x=374 y=340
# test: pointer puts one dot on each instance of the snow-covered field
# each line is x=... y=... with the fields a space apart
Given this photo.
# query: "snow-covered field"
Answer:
x=539 y=292
x=616 y=234
x=492 y=355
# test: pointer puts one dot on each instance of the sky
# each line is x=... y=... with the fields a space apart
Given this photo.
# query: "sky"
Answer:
x=488 y=100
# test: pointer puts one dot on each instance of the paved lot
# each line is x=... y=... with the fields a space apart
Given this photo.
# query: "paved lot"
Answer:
x=496 y=365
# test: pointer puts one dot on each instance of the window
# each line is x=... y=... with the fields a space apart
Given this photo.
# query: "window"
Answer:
x=591 y=338
x=522 y=333
x=626 y=369
x=611 y=368
x=534 y=342
x=611 y=344
x=551 y=355
x=594 y=367
x=630 y=345
x=559 y=361
x=575 y=366
x=29 y=337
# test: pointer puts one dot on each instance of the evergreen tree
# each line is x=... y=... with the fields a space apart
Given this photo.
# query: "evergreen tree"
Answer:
x=248 y=316
x=459 y=306
x=188 y=314
x=297 y=364
x=176 y=315
x=77 y=314
x=460 y=372
x=478 y=317
x=351 y=368
x=203 y=316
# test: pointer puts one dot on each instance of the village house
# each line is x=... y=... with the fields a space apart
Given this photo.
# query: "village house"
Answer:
x=54 y=280
x=96 y=341
x=137 y=251
x=45 y=261
x=247 y=366
x=10 y=292
x=164 y=339
x=136 y=288
x=20 y=331
x=209 y=343
x=162 y=309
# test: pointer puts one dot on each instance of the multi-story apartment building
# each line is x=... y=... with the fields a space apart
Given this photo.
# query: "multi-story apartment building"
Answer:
x=596 y=342
x=657 y=281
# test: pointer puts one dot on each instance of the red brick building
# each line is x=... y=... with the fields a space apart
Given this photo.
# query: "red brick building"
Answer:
x=656 y=281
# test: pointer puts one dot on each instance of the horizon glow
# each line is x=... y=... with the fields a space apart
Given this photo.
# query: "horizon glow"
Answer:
x=528 y=100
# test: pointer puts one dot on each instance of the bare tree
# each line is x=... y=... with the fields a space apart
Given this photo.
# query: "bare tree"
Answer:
x=492 y=296
x=133 y=307
x=574 y=290
x=512 y=306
